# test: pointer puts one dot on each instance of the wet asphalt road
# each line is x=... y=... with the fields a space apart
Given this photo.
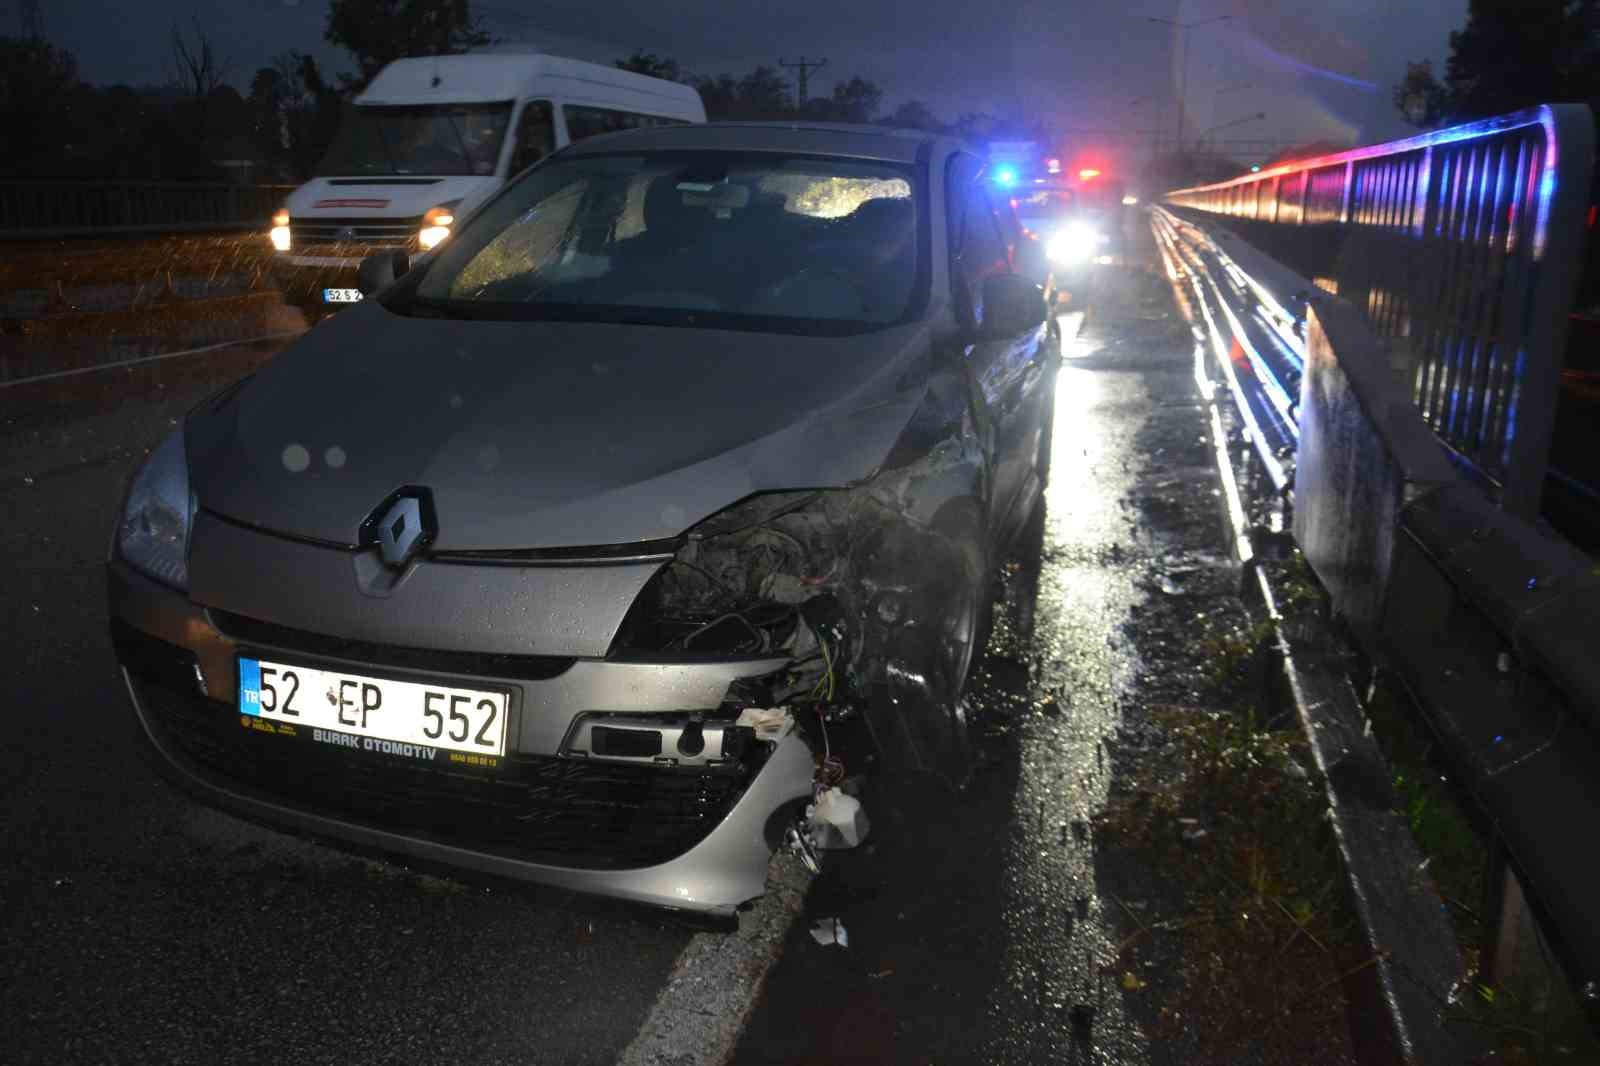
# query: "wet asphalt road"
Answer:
x=976 y=931
x=139 y=927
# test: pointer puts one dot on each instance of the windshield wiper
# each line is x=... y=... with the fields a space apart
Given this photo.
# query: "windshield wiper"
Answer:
x=394 y=168
x=466 y=154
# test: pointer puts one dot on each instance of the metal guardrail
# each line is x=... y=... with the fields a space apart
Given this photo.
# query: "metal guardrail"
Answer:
x=48 y=209
x=1462 y=247
x=1483 y=614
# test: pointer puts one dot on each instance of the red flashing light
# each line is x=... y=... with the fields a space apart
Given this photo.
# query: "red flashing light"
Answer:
x=1087 y=173
x=1591 y=216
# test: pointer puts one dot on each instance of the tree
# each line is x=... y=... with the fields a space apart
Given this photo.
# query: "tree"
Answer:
x=764 y=94
x=652 y=65
x=1511 y=54
x=914 y=115
x=760 y=95
x=196 y=67
x=856 y=100
x=377 y=32
x=975 y=126
x=309 y=110
x=1420 y=97
x=33 y=77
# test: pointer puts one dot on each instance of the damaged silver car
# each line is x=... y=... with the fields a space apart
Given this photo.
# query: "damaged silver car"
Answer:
x=582 y=549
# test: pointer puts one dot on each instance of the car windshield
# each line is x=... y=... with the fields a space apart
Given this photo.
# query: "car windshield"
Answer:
x=457 y=139
x=747 y=241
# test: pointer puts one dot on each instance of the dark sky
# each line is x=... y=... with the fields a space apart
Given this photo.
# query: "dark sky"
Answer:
x=1319 y=71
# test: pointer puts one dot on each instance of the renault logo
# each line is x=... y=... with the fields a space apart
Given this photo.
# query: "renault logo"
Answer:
x=401 y=526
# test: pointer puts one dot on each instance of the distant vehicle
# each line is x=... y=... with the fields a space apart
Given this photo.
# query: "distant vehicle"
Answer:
x=1072 y=229
x=431 y=138
x=590 y=545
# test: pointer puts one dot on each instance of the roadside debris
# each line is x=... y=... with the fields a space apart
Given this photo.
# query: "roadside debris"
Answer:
x=839 y=821
x=826 y=931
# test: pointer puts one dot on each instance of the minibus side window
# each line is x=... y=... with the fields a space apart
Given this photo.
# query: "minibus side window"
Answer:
x=587 y=121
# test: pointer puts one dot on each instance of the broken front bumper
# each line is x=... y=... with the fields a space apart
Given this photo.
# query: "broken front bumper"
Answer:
x=696 y=837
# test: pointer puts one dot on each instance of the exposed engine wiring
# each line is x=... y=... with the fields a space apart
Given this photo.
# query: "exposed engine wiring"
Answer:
x=703 y=572
x=761 y=637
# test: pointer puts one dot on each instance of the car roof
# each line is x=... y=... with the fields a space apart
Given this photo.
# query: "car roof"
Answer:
x=804 y=138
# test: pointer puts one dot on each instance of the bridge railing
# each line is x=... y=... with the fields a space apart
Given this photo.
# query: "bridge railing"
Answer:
x=1390 y=325
x=48 y=209
x=1462 y=247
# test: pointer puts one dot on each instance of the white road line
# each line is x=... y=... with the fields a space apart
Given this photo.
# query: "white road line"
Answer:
x=697 y=1019
x=147 y=359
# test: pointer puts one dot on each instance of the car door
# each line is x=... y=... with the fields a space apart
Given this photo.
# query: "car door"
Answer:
x=1007 y=370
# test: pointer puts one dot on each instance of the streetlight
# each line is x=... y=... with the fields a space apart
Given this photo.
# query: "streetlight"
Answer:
x=1183 y=62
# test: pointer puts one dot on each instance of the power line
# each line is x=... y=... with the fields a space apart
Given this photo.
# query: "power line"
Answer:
x=805 y=67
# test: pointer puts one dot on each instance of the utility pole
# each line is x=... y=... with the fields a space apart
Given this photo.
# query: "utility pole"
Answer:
x=1183 y=62
x=805 y=67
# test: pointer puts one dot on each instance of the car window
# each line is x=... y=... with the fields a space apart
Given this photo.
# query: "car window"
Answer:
x=747 y=240
x=979 y=249
x=587 y=121
x=536 y=135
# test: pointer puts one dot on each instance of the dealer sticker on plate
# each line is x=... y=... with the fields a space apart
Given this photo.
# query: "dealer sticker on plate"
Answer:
x=416 y=721
x=341 y=296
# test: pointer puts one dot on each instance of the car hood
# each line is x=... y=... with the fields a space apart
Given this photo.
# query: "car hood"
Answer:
x=543 y=435
x=387 y=197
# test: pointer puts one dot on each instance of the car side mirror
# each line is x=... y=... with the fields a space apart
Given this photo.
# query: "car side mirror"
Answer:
x=1012 y=305
x=378 y=270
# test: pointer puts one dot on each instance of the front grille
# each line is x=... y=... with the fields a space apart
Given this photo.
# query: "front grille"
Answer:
x=366 y=232
x=566 y=812
x=472 y=664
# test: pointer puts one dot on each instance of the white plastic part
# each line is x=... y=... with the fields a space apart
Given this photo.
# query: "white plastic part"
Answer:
x=770 y=723
x=838 y=821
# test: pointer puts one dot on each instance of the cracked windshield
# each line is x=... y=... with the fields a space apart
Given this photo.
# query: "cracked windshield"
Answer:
x=632 y=534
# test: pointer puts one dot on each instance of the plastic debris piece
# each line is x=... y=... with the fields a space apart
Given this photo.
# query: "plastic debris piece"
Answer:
x=1194 y=836
x=770 y=723
x=1131 y=982
x=838 y=821
x=826 y=931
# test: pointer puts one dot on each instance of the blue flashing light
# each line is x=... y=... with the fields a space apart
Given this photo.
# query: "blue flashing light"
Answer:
x=1005 y=176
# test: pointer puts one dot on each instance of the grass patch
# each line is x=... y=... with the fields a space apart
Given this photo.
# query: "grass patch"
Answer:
x=1448 y=831
x=1231 y=815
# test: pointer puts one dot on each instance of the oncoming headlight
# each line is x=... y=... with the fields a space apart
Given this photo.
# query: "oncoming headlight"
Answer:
x=1076 y=242
x=436 y=225
x=153 y=532
x=280 y=230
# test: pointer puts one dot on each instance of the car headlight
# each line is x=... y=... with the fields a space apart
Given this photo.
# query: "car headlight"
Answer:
x=436 y=225
x=280 y=229
x=153 y=532
x=1076 y=242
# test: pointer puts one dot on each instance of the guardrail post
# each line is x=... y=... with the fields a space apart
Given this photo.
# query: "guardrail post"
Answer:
x=1516 y=959
x=1561 y=229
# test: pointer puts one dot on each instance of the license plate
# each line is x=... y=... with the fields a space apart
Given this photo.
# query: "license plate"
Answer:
x=376 y=714
x=341 y=296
